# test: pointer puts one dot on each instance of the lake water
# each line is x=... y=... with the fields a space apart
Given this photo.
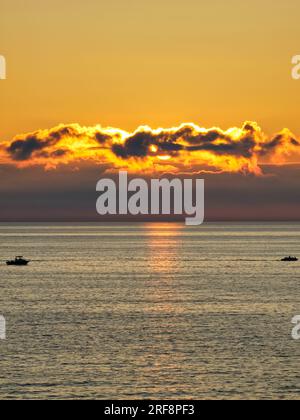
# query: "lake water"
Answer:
x=150 y=311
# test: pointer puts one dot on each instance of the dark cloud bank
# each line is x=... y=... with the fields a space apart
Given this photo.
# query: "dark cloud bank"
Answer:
x=68 y=196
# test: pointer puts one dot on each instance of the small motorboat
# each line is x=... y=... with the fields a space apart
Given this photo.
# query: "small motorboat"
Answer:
x=289 y=259
x=18 y=261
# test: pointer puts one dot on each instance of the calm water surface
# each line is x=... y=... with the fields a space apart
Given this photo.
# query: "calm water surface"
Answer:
x=150 y=311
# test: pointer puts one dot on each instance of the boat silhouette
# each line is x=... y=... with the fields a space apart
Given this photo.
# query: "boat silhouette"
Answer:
x=18 y=261
x=289 y=259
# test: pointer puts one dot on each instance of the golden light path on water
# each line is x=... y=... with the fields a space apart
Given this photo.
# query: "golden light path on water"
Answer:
x=155 y=311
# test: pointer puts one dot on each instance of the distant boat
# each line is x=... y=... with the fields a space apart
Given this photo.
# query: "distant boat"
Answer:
x=18 y=261
x=289 y=259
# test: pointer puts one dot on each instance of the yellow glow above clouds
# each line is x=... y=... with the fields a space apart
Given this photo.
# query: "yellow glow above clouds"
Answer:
x=186 y=147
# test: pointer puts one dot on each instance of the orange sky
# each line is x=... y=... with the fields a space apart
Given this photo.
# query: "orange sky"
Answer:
x=125 y=63
x=76 y=67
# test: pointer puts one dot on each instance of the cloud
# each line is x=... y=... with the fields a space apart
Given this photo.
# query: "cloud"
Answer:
x=185 y=148
x=280 y=147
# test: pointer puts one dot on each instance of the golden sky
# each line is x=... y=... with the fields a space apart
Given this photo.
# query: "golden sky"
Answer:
x=177 y=86
x=126 y=63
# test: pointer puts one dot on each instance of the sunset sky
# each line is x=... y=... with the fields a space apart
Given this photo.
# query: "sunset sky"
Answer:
x=163 y=85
